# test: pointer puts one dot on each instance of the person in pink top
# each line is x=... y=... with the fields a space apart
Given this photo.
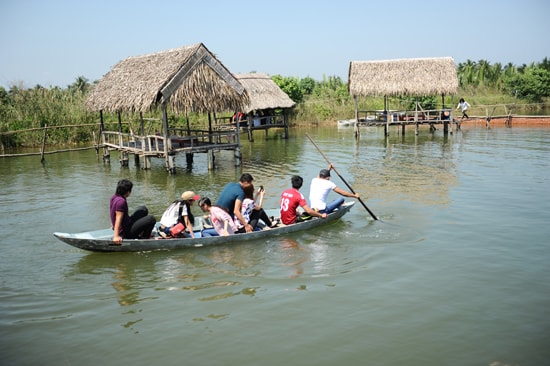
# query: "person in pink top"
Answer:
x=291 y=199
x=222 y=222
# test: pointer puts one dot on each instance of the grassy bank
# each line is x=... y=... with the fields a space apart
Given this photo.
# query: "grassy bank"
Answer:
x=24 y=115
x=483 y=102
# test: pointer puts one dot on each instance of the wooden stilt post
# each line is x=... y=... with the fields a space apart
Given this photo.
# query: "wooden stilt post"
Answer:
x=172 y=162
x=168 y=162
x=238 y=155
x=445 y=121
x=189 y=159
x=146 y=162
x=106 y=154
x=123 y=158
x=43 y=144
x=285 y=122
x=210 y=155
x=356 y=131
x=250 y=126
x=387 y=117
x=508 y=122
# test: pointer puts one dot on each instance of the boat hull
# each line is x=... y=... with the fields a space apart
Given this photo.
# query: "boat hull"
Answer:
x=102 y=240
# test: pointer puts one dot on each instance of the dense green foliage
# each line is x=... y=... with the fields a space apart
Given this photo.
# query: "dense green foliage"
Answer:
x=480 y=82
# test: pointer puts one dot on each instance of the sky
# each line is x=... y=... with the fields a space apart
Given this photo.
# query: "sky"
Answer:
x=53 y=42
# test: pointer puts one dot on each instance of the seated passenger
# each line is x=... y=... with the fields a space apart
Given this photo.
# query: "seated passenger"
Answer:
x=179 y=212
x=291 y=199
x=251 y=211
x=320 y=188
x=139 y=225
x=222 y=222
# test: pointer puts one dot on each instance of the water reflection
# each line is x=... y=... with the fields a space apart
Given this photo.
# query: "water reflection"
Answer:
x=129 y=274
x=419 y=168
x=293 y=257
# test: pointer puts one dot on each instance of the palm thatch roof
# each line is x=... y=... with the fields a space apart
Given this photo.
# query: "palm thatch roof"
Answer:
x=188 y=78
x=414 y=77
x=263 y=93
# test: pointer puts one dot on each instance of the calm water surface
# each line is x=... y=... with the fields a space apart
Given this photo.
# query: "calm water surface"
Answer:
x=455 y=272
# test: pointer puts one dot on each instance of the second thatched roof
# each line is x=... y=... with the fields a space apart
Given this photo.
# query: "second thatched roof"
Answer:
x=263 y=92
x=188 y=78
x=414 y=77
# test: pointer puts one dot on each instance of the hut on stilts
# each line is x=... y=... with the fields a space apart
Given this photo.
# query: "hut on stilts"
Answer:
x=268 y=105
x=403 y=77
x=182 y=80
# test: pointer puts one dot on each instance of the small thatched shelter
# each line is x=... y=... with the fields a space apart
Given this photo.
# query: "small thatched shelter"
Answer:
x=414 y=77
x=263 y=93
x=184 y=79
x=265 y=97
x=403 y=77
x=188 y=78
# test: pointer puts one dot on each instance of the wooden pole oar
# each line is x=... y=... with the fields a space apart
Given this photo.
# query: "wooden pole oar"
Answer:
x=342 y=178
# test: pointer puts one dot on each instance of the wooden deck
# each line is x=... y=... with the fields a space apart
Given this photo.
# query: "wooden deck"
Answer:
x=156 y=146
x=253 y=124
x=401 y=119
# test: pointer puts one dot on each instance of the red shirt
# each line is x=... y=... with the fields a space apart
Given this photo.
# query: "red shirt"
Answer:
x=290 y=200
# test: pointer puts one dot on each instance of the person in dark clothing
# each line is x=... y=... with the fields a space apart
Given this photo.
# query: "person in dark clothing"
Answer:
x=139 y=225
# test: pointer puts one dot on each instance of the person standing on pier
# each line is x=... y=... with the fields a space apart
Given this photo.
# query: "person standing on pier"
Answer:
x=463 y=106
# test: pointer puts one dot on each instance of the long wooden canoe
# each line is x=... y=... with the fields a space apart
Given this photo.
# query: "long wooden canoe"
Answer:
x=102 y=240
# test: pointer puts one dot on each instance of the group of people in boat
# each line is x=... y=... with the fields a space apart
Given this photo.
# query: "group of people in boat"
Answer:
x=237 y=210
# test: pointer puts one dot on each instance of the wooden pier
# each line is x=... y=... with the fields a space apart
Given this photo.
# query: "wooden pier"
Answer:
x=401 y=119
x=249 y=124
x=145 y=147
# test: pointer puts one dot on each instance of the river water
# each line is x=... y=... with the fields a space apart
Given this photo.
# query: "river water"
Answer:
x=456 y=272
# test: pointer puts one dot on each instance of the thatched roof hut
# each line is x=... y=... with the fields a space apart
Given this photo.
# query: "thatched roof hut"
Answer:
x=188 y=78
x=413 y=77
x=263 y=93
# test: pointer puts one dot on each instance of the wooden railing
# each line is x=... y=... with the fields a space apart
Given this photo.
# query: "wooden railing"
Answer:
x=396 y=116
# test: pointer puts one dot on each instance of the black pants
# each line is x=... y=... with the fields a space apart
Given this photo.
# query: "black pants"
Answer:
x=142 y=224
x=256 y=215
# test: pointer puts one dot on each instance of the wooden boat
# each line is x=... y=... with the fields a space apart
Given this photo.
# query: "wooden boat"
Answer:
x=346 y=122
x=342 y=123
x=102 y=240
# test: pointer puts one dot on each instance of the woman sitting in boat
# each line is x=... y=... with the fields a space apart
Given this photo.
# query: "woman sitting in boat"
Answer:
x=251 y=211
x=137 y=226
x=222 y=222
x=179 y=212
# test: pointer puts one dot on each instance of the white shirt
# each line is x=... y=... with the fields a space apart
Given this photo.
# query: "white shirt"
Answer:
x=319 y=191
x=170 y=216
x=463 y=106
x=246 y=209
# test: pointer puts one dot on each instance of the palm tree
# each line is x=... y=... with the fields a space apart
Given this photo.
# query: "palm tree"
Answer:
x=81 y=84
